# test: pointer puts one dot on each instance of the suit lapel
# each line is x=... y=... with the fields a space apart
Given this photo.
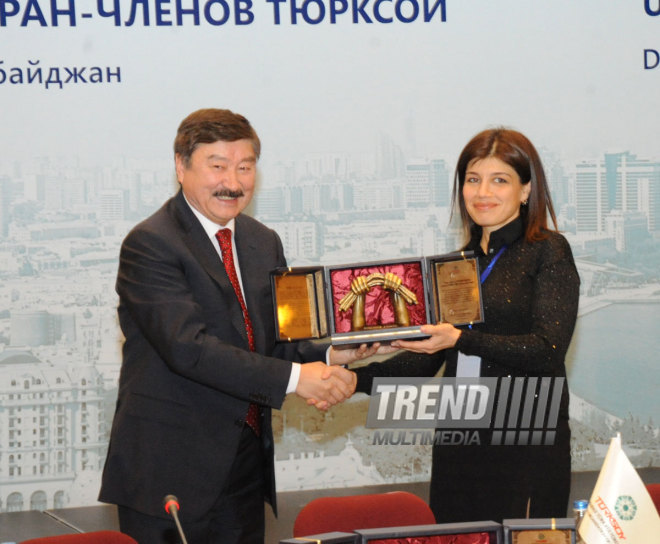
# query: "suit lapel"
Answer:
x=249 y=259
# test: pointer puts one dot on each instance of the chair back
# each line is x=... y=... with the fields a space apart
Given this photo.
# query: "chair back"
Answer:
x=394 y=509
x=654 y=491
x=96 y=537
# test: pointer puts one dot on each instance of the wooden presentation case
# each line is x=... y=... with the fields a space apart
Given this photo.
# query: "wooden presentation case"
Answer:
x=324 y=538
x=542 y=530
x=474 y=532
x=376 y=301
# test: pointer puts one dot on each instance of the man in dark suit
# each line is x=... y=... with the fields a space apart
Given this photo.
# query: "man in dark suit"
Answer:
x=201 y=369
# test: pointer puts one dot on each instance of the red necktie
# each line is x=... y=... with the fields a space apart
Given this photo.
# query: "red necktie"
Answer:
x=224 y=239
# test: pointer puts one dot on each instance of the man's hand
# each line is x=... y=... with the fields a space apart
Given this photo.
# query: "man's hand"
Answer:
x=350 y=355
x=324 y=386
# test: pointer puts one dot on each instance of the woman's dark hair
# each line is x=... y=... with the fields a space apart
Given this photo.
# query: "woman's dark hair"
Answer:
x=517 y=151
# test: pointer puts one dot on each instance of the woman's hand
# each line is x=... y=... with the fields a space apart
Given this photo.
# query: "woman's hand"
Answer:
x=443 y=336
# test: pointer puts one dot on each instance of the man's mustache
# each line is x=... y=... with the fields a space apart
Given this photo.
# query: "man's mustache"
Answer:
x=228 y=194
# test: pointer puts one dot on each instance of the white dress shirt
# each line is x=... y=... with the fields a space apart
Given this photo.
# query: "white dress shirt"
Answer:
x=211 y=229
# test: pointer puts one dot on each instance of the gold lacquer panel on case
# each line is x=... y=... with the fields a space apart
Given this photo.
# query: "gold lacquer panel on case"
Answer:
x=299 y=304
x=550 y=536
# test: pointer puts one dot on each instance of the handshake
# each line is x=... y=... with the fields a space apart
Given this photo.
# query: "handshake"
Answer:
x=324 y=385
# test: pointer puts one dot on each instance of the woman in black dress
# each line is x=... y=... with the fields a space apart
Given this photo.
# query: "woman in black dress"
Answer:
x=530 y=298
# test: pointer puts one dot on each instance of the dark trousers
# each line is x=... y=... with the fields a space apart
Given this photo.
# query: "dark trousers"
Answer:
x=237 y=517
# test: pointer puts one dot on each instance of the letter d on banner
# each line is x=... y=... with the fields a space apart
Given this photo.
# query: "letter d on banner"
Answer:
x=651 y=59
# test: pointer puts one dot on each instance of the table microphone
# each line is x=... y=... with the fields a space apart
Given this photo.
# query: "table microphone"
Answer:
x=171 y=504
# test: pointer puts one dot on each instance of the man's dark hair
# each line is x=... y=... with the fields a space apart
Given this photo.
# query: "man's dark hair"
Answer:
x=210 y=125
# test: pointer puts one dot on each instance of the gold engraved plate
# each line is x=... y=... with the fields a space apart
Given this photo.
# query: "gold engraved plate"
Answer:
x=536 y=536
x=458 y=291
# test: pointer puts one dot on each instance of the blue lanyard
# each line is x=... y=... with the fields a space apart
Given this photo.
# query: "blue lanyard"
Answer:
x=489 y=268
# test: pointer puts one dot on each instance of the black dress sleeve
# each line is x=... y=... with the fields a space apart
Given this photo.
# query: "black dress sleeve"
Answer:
x=537 y=338
x=401 y=364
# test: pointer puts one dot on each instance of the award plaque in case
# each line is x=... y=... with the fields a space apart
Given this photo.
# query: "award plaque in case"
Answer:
x=353 y=304
x=377 y=302
x=456 y=289
x=300 y=310
x=539 y=531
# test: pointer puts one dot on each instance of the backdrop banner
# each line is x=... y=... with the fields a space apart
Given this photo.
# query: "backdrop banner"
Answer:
x=362 y=107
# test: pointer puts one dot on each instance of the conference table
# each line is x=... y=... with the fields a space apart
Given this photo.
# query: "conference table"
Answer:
x=19 y=526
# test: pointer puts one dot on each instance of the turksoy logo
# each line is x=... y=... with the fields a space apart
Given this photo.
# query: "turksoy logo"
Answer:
x=625 y=507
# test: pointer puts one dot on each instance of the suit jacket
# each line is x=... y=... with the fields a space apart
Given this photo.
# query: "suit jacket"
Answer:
x=187 y=374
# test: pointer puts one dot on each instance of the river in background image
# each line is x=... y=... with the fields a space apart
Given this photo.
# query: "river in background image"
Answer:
x=613 y=360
